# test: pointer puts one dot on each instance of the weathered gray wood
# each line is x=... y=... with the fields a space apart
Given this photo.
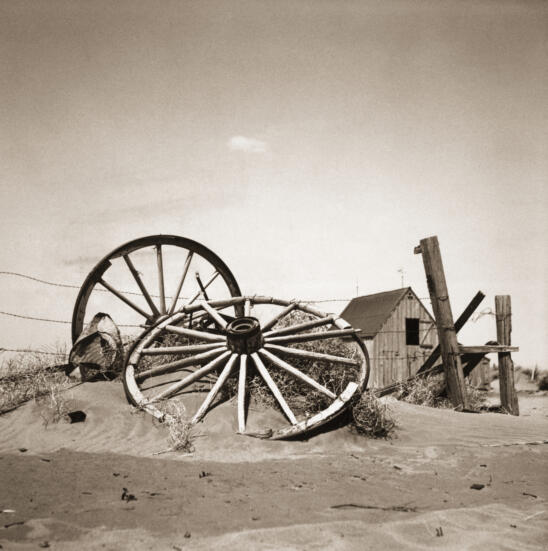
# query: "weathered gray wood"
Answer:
x=296 y=373
x=487 y=349
x=206 y=285
x=459 y=324
x=312 y=355
x=274 y=388
x=181 y=281
x=439 y=295
x=141 y=285
x=508 y=396
x=174 y=366
x=210 y=337
x=123 y=298
x=161 y=286
x=215 y=389
x=299 y=327
x=187 y=349
x=241 y=393
x=306 y=337
x=189 y=379
x=214 y=314
x=270 y=323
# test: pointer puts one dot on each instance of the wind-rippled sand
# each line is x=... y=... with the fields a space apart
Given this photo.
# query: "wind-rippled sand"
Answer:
x=335 y=491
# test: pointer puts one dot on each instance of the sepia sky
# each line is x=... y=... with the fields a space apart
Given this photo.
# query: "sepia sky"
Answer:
x=311 y=144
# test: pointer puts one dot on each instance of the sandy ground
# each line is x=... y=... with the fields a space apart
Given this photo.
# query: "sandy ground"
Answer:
x=62 y=486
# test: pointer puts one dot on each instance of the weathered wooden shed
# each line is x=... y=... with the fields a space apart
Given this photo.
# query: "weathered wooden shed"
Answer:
x=398 y=331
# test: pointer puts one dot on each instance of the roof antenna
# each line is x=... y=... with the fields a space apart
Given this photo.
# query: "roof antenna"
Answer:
x=400 y=271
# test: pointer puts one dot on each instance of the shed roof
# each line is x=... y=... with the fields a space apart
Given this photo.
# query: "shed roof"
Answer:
x=368 y=313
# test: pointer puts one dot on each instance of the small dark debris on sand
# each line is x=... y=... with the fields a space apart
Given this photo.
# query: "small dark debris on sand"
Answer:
x=126 y=496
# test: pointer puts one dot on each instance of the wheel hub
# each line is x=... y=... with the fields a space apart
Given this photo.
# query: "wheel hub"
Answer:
x=244 y=335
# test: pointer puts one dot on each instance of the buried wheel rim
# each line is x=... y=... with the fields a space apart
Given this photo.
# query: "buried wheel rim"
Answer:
x=243 y=348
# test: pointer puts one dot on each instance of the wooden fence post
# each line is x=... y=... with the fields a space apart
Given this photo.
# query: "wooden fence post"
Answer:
x=508 y=396
x=437 y=287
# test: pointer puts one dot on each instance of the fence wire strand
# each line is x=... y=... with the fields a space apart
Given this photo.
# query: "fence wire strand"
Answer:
x=72 y=286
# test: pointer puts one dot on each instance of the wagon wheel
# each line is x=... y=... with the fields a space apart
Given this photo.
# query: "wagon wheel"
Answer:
x=122 y=283
x=284 y=356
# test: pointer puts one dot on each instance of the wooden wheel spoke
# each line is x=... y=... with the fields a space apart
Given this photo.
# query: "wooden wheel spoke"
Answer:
x=181 y=282
x=205 y=286
x=247 y=308
x=161 y=287
x=295 y=372
x=178 y=364
x=241 y=393
x=216 y=387
x=270 y=323
x=141 y=285
x=214 y=314
x=203 y=290
x=160 y=350
x=312 y=336
x=300 y=327
x=123 y=298
x=210 y=337
x=189 y=379
x=273 y=388
x=297 y=352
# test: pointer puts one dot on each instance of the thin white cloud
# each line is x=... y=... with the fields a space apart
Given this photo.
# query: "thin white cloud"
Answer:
x=249 y=145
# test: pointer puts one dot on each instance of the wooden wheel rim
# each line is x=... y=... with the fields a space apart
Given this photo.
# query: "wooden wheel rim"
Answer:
x=94 y=277
x=234 y=360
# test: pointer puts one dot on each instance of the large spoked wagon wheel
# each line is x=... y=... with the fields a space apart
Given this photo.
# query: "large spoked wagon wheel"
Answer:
x=291 y=366
x=150 y=278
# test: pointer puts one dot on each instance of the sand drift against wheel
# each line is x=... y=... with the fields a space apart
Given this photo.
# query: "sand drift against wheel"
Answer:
x=287 y=367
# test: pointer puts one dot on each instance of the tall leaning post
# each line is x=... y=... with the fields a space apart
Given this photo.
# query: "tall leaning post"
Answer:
x=439 y=295
x=508 y=396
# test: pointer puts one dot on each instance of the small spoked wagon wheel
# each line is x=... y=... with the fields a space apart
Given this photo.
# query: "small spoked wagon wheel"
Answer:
x=285 y=363
x=150 y=278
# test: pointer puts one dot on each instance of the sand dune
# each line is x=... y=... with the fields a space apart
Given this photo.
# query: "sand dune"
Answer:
x=335 y=491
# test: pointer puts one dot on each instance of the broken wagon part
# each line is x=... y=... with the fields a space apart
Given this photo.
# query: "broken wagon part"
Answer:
x=130 y=282
x=309 y=364
x=98 y=352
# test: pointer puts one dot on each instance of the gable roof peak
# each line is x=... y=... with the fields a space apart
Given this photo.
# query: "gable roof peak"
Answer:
x=369 y=312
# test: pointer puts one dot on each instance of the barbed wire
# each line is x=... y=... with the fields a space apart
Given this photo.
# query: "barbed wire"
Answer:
x=72 y=286
x=33 y=351
x=65 y=354
x=66 y=322
x=21 y=316
x=34 y=318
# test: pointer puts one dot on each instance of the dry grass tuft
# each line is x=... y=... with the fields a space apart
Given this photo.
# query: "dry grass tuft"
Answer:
x=301 y=398
x=371 y=417
x=430 y=392
x=32 y=376
x=425 y=391
x=180 y=431
x=54 y=405
x=543 y=382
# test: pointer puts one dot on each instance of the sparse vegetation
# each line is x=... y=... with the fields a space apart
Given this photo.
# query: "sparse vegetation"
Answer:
x=372 y=417
x=54 y=405
x=301 y=398
x=543 y=381
x=424 y=391
x=180 y=430
x=430 y=392
x=32 y=376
